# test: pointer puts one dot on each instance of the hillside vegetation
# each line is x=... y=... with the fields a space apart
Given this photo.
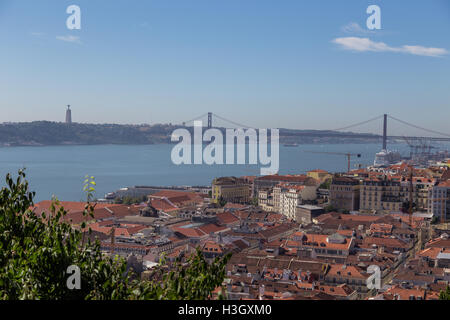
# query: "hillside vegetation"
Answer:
x=44 y=133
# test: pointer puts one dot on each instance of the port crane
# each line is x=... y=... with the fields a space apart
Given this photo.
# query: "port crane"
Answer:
x=424 y=147
x=348 y=155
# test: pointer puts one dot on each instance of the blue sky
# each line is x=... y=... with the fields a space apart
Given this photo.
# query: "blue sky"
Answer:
x=295 y=64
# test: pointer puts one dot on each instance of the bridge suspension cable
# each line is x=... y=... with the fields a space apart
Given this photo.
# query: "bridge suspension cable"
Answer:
x=232 y=122
x=418 y=127
x=357 y=124
x=203 y=115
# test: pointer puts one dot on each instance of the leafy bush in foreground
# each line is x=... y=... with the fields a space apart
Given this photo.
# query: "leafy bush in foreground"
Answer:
x=35 y=253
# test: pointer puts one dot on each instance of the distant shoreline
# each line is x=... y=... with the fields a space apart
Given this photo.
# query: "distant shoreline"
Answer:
x=155 y=144
x=45 y=133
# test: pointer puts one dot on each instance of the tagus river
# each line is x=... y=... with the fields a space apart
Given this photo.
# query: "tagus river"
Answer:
x=60 y=170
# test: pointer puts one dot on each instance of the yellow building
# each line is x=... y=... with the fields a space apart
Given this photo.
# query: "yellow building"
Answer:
x=230 y=189
x=320 y=175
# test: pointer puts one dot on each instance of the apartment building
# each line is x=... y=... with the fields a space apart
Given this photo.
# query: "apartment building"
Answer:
x=269 y=182
x=352 y=276
x=265 y=200
x=290 y=199
x=345 y=193
x=420 y=192
x=230 y=189
x=284 y=198
x=306 y=213
x=381 y=194
x=439 y=200
x=333 y=248
x=390 y=193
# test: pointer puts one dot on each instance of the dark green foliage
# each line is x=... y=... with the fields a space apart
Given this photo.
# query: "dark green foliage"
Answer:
x=193 y=280
x=222 y=202
x=406 y=207
x=326 y=184
x=435 y=220
x=445 y=295
x=35 y=253
x=330 y=208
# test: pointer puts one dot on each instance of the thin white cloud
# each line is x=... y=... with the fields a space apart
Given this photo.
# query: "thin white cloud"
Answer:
x=365 y=44
x=355 y=28
x=37 y=34
x=73 y=39
x=423 y=51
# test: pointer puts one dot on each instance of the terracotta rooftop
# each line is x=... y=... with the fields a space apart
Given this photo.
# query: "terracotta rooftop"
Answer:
x=432 y=252
x=285 y=178
x=344 y=271
x=227 y=218
x=212 y=228
x=318 y=240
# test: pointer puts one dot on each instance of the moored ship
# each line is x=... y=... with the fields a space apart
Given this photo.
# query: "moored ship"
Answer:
x=386 y=158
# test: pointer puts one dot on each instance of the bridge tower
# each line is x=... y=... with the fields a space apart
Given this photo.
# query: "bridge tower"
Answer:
x=209 y=120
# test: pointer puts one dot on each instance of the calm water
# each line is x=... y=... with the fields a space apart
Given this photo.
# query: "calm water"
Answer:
x=60 y=170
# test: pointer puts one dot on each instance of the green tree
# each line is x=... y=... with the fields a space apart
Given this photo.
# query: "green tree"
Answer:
x=330 y=208
x=222 y=202
x=35 y=252
x=445 y=295
x=435 y=220
x=326 y=184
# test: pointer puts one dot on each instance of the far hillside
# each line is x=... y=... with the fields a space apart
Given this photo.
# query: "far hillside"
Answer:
x=44 y=133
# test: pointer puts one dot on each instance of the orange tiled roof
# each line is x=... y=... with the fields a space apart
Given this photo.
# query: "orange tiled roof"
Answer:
x=212 y=228
x=211 y=246
x=69 y=206
x=317 y=240
x=163 y=205
x=405 y=294
x=381 y=227
x=342 y=290
x=227 y=218
x=344 y=271
x=431 y=253
x=444 y=183
x=190 y=232
x=286 y=178
x=388 y=242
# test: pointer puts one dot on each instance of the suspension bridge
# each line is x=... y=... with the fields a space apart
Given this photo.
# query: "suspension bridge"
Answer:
x=216 y=121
